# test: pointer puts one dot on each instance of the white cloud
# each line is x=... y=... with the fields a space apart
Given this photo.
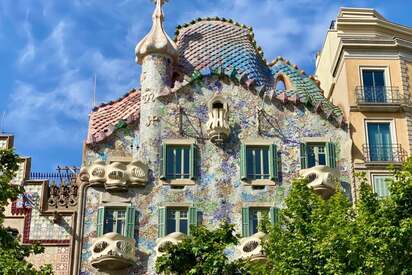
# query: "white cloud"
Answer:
x=58 y=112
x=66 y=42
x=49 y=115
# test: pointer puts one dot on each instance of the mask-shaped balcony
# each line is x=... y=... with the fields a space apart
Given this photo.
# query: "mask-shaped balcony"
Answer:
x=113 y=251
x=171 y=239
x=118 y=176
x=322 y=179
x=251 y=247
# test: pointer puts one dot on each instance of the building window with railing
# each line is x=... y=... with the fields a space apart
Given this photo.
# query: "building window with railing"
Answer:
x=380 y=141
x=374 y=85
x=380 y=145
x=375 y=88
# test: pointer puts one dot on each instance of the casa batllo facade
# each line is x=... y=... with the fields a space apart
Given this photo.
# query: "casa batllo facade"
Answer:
x=214 y=133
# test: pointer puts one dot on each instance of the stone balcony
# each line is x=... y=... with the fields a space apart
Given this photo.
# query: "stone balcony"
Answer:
x=113 y=251
x=171 y=239
x=322 y=179
x=251 y=247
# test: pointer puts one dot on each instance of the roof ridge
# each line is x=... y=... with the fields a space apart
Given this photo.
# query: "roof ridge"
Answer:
x=104 y=104
x=251 y=36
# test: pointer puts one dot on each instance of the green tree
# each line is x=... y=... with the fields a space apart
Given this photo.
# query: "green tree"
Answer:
x=12 y=253
x=317 y=236
x=201 y=253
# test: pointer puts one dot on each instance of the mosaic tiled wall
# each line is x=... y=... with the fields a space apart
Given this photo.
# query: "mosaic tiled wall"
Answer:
x=57 y=256
x=219 y=192
x=39 y=227
x=21 y=173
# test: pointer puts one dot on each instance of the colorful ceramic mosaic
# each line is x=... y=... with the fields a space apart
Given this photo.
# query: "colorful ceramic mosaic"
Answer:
x=21 y=173
x=218 y=58
x=39 y=227
x=217 y=42
x=219 y=193
x=57 y=256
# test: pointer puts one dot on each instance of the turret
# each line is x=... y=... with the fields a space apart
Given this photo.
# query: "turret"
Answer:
x=157 y=54
x=156 y=41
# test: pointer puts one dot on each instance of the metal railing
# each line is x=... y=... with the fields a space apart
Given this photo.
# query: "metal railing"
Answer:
x=384 y=153
x=64 y=175
x=379 y=95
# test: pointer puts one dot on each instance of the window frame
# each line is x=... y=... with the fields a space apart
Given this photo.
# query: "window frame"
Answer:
x=386 y=73
x=259 y=211
x=316 y=152
x=331 y=149
x=129 y=220
x=163 y=211
x=373 y=176
x=246 y=216
x=115 y=221
x=177 y=218
x=273 y=163
x=392 y=128
x=193 y=161
x=261 y=150
x=184 y=152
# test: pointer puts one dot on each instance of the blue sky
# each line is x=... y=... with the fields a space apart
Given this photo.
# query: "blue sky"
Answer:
x=51 y=49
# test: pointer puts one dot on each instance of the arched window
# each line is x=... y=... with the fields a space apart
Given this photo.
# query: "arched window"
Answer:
x=280 y=85
x=283 y=83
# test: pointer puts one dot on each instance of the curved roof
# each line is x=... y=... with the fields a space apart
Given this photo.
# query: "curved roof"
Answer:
x=104 y=119
x=223 y=48
x=220 y=43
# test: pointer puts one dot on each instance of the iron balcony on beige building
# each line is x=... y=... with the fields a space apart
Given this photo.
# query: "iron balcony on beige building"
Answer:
x=364 y=67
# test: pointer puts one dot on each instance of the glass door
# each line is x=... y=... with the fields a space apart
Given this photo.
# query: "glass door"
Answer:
x=374 y=85
x=380 y=141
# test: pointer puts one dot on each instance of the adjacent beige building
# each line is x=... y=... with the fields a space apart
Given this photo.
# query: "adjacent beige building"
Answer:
x=364 y=67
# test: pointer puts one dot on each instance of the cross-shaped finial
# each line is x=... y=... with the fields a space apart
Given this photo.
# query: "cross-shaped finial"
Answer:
x=161 y=1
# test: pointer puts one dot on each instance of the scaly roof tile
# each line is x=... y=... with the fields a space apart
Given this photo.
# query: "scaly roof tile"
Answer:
x=104 y=118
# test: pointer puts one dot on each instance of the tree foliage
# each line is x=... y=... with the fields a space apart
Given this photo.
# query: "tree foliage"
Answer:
x=315 y=236
x=332 y=236
x=12 y=253
x=201 y=253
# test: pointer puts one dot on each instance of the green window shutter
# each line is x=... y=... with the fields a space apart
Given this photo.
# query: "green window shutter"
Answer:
x=192 y=218
x=100 y=222
x=193 y=159
x=243 y=164
x=130 y=221
x=303 y=156
x=245 y=222
x=330 y=155
x=162 y=222
x=273 y=162
x=163 y=161
x=274 y=215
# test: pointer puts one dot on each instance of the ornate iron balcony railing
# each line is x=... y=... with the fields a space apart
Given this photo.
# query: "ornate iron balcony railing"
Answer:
x=379 y=95
x=384 y=153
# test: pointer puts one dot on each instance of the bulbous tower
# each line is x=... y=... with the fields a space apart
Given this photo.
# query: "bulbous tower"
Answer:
x=157 y=54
